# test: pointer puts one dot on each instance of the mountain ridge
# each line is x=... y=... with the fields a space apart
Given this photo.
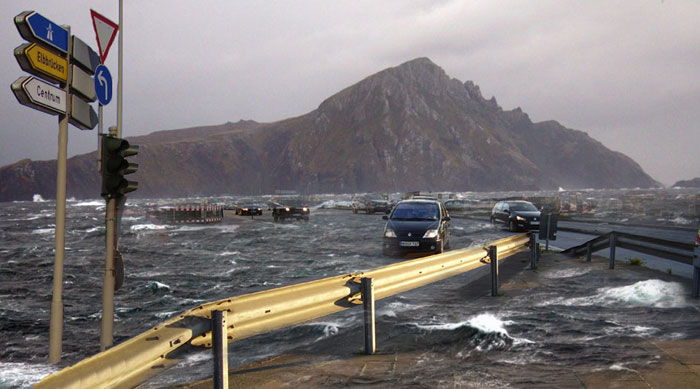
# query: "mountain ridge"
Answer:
x=409 y=127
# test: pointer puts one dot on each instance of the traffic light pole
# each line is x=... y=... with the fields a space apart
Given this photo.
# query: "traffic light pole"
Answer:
x=56 y=321
x=106 y=333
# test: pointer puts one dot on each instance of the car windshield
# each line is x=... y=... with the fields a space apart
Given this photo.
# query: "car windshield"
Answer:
x=522 y=207
x=416 y=211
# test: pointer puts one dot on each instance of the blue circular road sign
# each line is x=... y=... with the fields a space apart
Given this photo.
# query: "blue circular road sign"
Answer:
x=103 y=85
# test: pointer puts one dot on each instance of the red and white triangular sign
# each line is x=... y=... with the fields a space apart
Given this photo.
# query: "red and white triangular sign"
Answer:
x=105 y=30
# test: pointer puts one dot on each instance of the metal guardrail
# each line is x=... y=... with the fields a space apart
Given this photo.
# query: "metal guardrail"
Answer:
x=668 y=249
x=145 y=355
x=672 y=250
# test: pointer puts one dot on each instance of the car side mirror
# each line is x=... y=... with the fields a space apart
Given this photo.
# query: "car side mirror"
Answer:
x=385 y=217
x=446 y=218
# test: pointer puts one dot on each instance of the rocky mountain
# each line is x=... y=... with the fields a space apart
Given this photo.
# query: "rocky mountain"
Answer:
x=409 y=127
x=692 y=183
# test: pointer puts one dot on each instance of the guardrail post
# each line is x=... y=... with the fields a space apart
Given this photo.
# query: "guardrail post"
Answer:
x=493 y=254
x=538 y=250
x=219 y=340
x=533 y=251
x=367 y=290
x=589 y=251
x=612 y=249
x=696 y=272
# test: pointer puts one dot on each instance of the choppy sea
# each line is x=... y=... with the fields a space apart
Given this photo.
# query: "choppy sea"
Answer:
x=579 y=318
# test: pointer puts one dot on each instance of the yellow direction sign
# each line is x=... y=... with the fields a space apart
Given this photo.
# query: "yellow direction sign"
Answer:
x=42 y=63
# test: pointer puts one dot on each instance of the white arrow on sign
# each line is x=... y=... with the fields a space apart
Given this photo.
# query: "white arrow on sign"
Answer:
x=103 y=82
x=39 y=95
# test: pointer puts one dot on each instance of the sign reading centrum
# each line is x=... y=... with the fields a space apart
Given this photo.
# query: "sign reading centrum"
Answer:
x=39 y=95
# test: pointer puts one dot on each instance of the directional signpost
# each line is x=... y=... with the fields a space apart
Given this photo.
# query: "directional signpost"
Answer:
x=105 y=31
x=34 y=59
x=53 y=55
x=36 y=28
x=40 y=95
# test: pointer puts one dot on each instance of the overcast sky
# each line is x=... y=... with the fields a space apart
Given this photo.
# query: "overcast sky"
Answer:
x=626 y=72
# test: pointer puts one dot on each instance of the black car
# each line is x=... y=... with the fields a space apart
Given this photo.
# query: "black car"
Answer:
x=416 y=226
x=517 y=215
x=289 y=210
x=248 y=209
x=370 y=203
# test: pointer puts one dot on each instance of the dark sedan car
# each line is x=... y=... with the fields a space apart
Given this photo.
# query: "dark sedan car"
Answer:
x=249 y=209
x=370 y=203
x=516 y=215
x=289 y=210
x=416 y=226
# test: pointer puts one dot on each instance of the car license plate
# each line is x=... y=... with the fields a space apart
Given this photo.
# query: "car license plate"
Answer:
x=408 y=243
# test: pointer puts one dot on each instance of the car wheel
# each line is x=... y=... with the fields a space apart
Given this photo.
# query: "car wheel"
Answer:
x=512 y=226
x=493 y=221
x=276 y=218
x=440 y=247
x=370 y=211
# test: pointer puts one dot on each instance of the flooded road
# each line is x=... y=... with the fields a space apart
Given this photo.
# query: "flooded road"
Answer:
x=577 y=317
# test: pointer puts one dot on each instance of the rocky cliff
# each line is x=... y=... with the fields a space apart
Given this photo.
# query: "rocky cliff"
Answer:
x=409 y=127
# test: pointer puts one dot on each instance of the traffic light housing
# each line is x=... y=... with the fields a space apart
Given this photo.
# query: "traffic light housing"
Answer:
x=114 y=166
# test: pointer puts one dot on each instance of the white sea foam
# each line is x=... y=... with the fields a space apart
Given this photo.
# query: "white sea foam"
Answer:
x=38 y=199
x=392 y=309
x=567 y=273
x=654 y=293
x=131 y=218
x=147 y=226
x=94 y=203
x=648 y=293
x=227 y=253
x=155 y=285
x=224 y=228
x=23 y=375
x=94 y=229
x=44 y=231
x=488 y=324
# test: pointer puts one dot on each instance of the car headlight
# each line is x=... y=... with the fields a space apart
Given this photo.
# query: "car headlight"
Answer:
x=287 y=209
x=389 y=233
x=431 y=234
x=305 y=209
x=520 y=218
x=244 y=209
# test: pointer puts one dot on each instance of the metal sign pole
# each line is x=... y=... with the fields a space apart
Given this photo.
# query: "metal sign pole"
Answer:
x=56 y=322
x=106 y=336
x=119 y=71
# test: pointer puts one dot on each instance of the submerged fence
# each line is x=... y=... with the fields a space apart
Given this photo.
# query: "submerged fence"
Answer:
x=131 y=362
x=672 y=250
x=190 y=214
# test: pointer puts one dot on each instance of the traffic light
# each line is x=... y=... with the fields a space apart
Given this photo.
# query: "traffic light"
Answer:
x=114 y=166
